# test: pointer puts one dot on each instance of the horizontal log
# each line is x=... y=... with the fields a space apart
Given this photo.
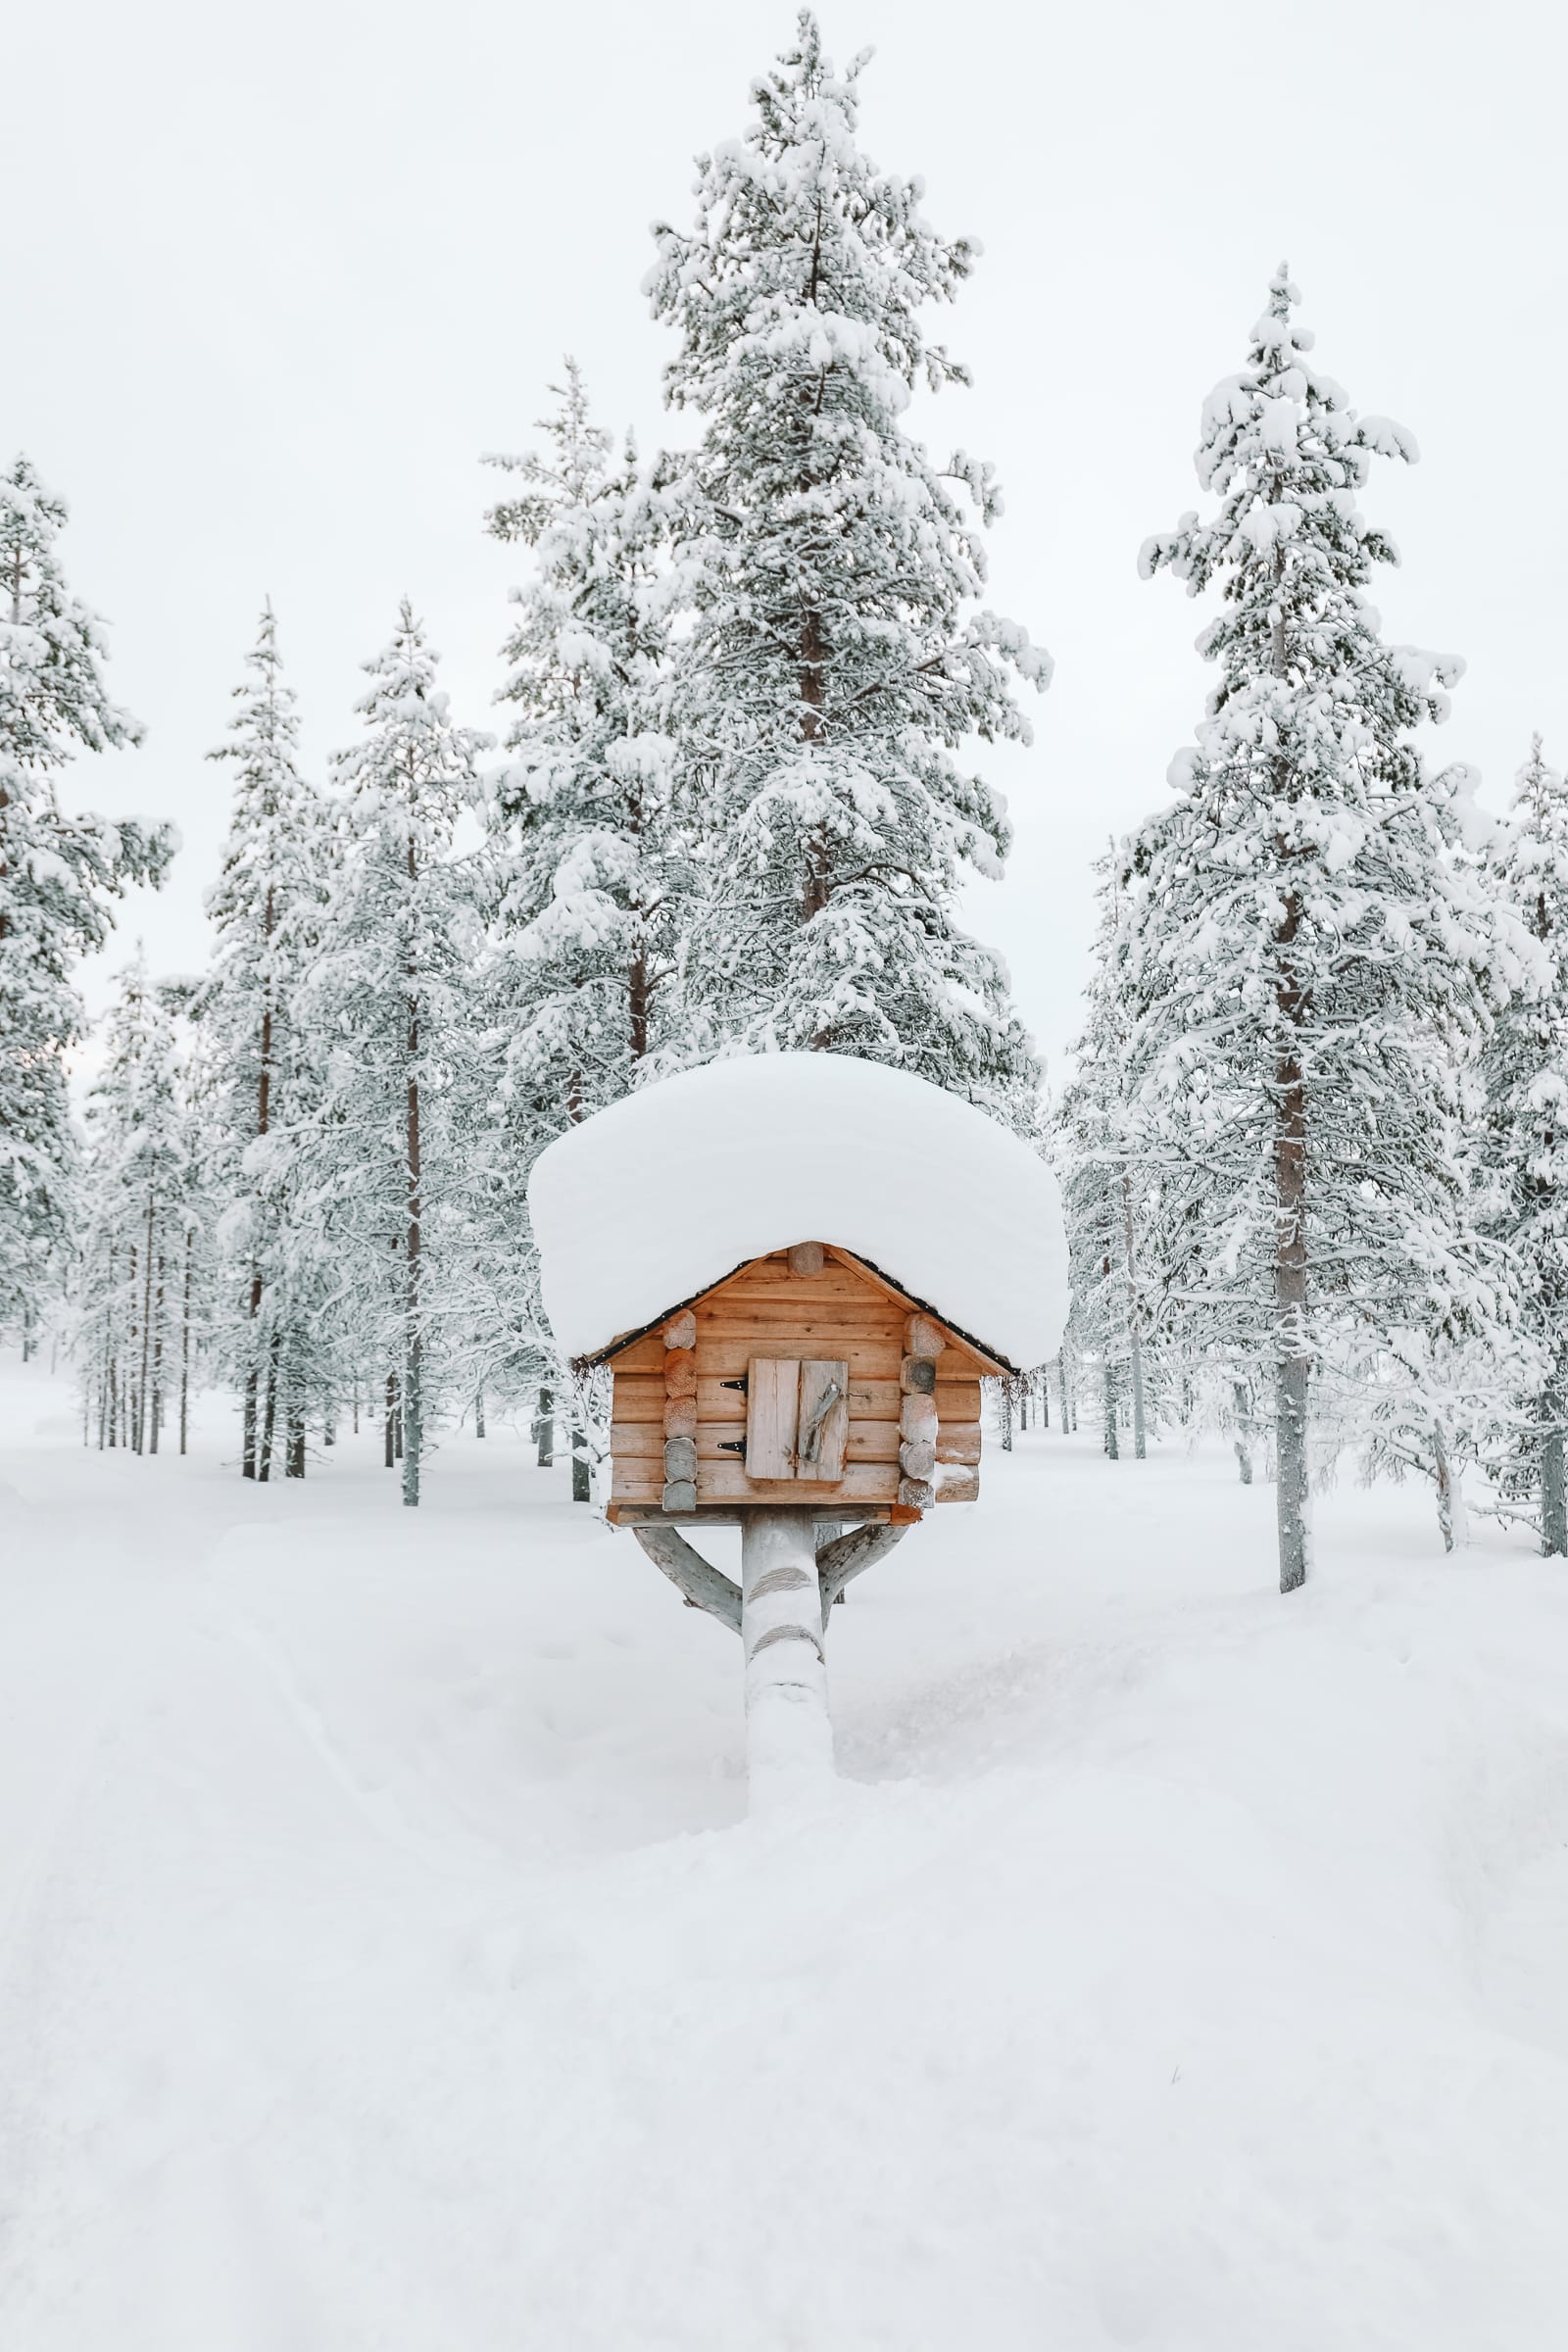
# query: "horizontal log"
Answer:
x=724 y=1355
x=679 y=1495
x=923 y=1337
x=680 y=1372
x=917 y=1457
x=770 y=1278
x=681 y=1417
x=806 y=1258
x=799 y=1318
x=915 y=1495
x=958 y=1441
x=957 y=1401
x=958 y=1485
x=636 y=1440
x=726 y=1481
x=646 y=1354
x=869 y=1441
x=917 y=1376
x=681 y=1330
x=680 y=1458
x=639 y=1396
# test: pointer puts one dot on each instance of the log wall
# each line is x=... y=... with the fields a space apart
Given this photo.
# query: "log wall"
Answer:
x=769 y=1309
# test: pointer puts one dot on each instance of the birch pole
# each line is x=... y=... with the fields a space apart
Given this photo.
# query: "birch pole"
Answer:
x=789 y=1735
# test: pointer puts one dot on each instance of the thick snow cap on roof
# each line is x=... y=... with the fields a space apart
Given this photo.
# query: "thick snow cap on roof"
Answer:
x=664 y=1194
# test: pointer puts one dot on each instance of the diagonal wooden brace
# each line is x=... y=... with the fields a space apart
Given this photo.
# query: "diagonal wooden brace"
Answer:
x=703 y=1585
x=849 y=1555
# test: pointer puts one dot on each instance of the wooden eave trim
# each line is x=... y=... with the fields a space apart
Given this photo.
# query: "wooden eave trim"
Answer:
x=991 y=1360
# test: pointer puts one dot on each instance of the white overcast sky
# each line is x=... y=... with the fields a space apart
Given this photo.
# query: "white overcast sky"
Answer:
x=276 y=276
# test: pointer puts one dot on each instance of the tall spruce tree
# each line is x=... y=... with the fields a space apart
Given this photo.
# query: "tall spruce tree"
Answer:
x=389 y=994
x=58 y=874
x=1526 y=1148
x=1307 y=955
x=265 y=910
x=838 y=659
x=591 y=863
x=143 y=1213
x=1102 y=1186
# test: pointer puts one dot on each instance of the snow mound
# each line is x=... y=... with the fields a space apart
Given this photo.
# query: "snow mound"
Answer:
x=664 y=1194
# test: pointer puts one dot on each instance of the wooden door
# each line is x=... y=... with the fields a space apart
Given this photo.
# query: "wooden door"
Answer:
x=796 y=1418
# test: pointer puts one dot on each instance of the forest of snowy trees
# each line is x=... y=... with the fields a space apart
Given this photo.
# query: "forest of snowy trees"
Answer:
x=1314 y=1143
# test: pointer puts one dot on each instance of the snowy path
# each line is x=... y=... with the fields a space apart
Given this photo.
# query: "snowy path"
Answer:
x=384 y=1960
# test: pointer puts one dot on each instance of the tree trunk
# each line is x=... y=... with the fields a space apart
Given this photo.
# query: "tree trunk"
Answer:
x=1005 y=1402
x=1112 y=1448
x=184 y=1352
x=789 y=1736
x=391 y=1420
x=1451 y=1500
x=478 y=1412
x=414 y=1337
x=264 y=1465
x=1244 y=1429
x=545 y=1430
x=146 y=1334
x=1135 y=1336
x=1554 y=1478
x=157 y=1415
x=1291 y=1363
x=581 y=1467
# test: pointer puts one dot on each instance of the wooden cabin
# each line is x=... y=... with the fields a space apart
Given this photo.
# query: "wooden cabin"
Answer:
x=805 y=1377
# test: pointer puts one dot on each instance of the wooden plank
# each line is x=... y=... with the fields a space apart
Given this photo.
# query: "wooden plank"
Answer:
x=866 y=1440
x=768 y=1281
x=958 y=1441
x=824 y=1417
x=772 y=1411
x=957 y=1401
x=642 y=1355
x=637 y=1481
x=636 y=1440
x=727 y=1482
x=723 y=1356
x=638 y=1397
x=870 y=1400
x=734 y=1514
x=776 y=1307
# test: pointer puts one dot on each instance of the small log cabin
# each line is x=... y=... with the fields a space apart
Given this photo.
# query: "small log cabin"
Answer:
x=805 y=1377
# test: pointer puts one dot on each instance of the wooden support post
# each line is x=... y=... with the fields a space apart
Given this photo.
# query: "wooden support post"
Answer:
x=789 y=1736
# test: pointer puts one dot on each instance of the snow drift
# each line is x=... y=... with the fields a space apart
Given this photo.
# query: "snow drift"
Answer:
x=666 y=1192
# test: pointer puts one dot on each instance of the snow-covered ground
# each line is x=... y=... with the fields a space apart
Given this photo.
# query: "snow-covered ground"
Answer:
x=385 y=1960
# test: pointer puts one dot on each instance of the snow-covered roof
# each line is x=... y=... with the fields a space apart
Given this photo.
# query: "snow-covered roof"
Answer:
x=662 y=1195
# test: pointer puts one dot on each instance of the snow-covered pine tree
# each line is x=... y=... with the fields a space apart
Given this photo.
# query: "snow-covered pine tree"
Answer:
x=1102 y=1186
x=838 y=659
x=389 y=994
x=57 y=873
x=265 y=910
x=1305 y=952
x=591 y=863
x=1526 y=1147
x=142 y=1216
